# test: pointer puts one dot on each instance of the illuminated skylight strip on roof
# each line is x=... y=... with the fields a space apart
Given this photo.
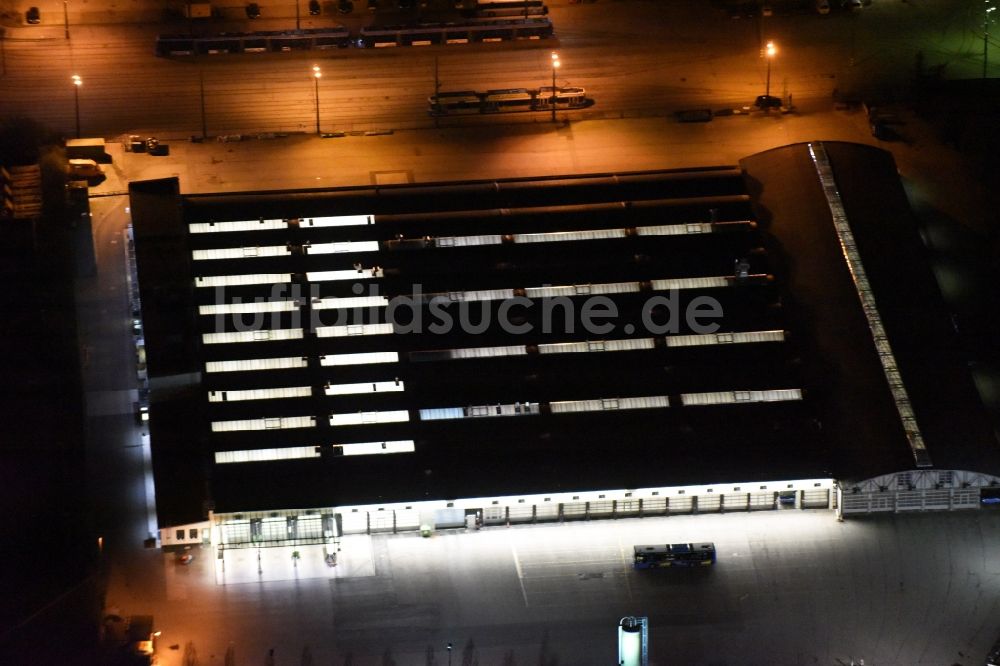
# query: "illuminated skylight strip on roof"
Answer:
x=238 y=280
x=582 y=289
x=475 y=295
x=366 y=387
x=349 y=274
x=468 y=352
x=632 y=344
x=740 y=397
x=691 y=283
x=350 y=302
x=476 y=411
x=376 y=448
x=263 y=335
x=363 y=358
x=303 y=452
x=487 y=352
x=609 y=404
x=241 y=225
x=260 y=394
x=352 y=329
x=249 y=252
x=283 y=423
x=848 y=246
x=468 y=241
x=342 y=247
x=368 y=418
x=725 y=338
x=693 y=228
x=337 y=221
x=564 y=236
x=253 y=364
x=689 y=229
x=265 y=455
x=248 y=307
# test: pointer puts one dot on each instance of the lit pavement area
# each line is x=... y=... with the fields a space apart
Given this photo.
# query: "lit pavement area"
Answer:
x=790 y=587
x=477 y=153
x=251 y=565
x=634 y=59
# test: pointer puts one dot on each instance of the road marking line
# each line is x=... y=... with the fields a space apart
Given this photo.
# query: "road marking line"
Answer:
x=520 y=575
x=625 y=569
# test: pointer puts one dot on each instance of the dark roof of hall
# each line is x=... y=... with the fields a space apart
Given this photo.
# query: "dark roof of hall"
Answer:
x=949 y=411
x=846 y=425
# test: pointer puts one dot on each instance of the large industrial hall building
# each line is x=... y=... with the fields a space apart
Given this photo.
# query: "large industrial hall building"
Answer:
x=387 y=358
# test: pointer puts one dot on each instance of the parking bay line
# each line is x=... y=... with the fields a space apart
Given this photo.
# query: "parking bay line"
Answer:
x=520 y=575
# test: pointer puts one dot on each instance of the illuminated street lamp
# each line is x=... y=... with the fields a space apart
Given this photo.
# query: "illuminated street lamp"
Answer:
x=769 y=52
x=77 y=82
x=317 y=75
x=555 y=66
x=986 y=32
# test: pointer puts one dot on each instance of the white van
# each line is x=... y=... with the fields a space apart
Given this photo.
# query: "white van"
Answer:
x=823 y=6
x=84 y=169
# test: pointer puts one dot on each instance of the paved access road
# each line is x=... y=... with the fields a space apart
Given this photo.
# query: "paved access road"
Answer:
x=634 y=58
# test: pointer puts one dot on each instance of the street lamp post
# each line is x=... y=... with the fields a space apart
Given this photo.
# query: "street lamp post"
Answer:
x=317 y=74
x=66 y=18
x=555 y=66
x=986 y=33
x=448 y=647
x=769 y=52
x=201 y=95
x=77 y=82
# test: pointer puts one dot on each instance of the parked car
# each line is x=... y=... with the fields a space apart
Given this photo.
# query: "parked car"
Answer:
x=823 y=6
x=767 y=102
x=345 y=6
x=851 y=5
x=33 y=16
x=133 y=143
x=154 y=147
x=694 y=115
x=253 y=10
x=314 y=8
x=85 y=169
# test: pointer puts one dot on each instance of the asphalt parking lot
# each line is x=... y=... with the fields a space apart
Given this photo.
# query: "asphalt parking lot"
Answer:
x=790 y=587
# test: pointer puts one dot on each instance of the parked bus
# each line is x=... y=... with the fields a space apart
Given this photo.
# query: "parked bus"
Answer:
x=503 y=4
x=253 y=42
x=501 y=8
x=674 y=555
x=472 y=30
x=503 y=101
